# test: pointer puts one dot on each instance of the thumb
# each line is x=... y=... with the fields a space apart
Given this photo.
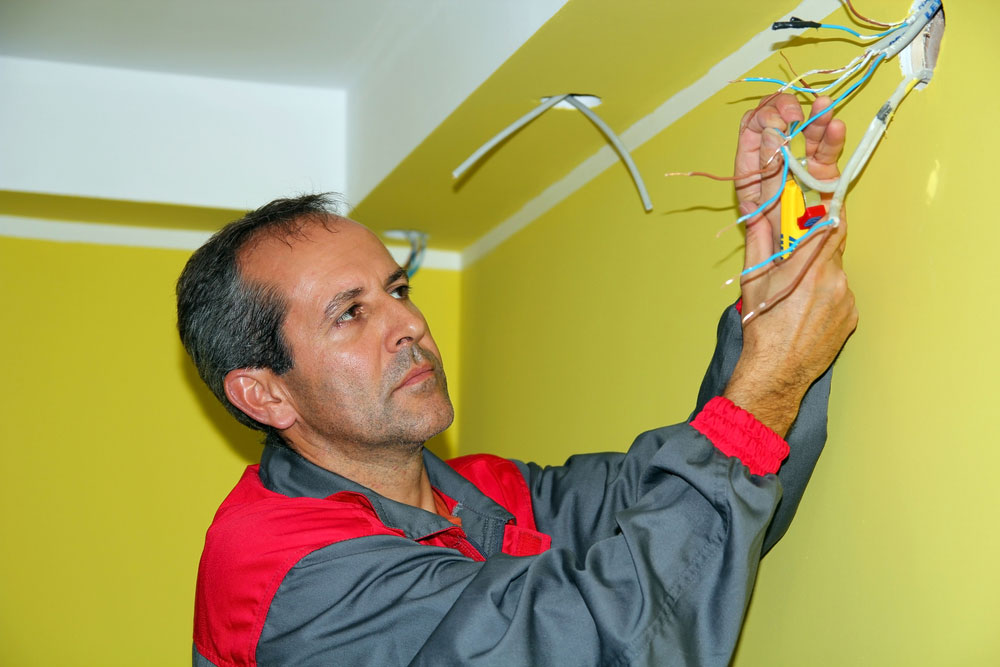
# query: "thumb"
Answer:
x=759 y=240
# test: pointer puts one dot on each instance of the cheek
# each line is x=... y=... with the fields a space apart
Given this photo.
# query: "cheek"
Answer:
x=356 y=370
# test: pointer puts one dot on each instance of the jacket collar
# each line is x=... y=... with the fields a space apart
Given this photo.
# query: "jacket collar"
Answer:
x=284 y=471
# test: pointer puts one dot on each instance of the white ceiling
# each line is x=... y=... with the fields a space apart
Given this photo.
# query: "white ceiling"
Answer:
x=404 y=64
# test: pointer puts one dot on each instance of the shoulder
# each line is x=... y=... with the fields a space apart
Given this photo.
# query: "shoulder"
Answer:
x=251 y=513
x=492 y=474
x=256 y=537
x=499 y=479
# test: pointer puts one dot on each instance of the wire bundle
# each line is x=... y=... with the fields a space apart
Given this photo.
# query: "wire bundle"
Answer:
x=891 y=41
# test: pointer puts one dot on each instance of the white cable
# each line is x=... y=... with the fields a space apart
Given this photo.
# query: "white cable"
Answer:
x=538 y=111
x=920 y=15
x=803 y=176
x=619 y=146
x=506 y=132
x=876 y=129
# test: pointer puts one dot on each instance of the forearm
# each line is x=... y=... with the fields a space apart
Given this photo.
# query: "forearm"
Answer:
x=806 y=435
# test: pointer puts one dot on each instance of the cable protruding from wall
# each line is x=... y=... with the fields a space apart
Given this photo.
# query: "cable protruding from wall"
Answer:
x=550 y=102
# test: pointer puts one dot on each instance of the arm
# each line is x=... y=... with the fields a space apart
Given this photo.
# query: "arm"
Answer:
x=783 y=371
x=795 y=339
x=670 y=586
x=805 y=438
x=576 y=503
x=775 y=366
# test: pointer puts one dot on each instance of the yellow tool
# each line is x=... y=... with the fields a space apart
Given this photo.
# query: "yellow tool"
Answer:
x=801 y=208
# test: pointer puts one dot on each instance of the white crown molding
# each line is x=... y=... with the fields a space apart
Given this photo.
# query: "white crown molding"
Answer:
x=168 y=239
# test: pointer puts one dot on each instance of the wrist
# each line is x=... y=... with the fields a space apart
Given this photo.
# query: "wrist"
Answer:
x=772 y=400
x=736 y=432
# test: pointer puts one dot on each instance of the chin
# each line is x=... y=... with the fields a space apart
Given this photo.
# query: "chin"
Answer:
x=437 y=420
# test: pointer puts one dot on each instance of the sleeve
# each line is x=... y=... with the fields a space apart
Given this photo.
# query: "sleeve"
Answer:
x=669 y=586
x=577 y=503
x=805 y=438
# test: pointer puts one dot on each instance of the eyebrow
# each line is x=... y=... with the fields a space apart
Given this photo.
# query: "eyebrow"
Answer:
x=394 y=276
x=337 y=302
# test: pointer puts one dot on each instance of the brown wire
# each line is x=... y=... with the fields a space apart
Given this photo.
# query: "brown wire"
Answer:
x=865 y=18
x=794 y=73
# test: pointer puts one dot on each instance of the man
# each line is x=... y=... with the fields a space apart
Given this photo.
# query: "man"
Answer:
x=351 y=544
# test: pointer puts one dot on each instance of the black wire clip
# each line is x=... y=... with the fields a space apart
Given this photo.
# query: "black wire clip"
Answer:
x=794 y=23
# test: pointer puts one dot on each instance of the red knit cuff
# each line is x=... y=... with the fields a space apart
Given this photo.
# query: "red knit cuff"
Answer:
x=736 y=432
x=739 y=306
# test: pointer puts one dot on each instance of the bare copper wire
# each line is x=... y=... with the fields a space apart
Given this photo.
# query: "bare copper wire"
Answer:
x=794 y=73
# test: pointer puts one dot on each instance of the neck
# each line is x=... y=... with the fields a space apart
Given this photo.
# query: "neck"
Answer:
x=396 y=472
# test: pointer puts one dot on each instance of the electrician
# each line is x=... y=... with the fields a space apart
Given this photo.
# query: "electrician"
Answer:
x=352 y=544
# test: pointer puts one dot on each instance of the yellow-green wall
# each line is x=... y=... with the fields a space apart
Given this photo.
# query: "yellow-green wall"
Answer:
x=597 y=320
x=590 y=325
x=115 y=456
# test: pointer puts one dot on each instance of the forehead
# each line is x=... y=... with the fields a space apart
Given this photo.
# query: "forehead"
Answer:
x=342 y=254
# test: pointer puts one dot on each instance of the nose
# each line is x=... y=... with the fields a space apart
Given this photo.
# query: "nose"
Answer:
x=405 y=325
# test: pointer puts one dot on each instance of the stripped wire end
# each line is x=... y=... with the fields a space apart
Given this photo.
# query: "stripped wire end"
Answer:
x=714 y=177
x=798 y=79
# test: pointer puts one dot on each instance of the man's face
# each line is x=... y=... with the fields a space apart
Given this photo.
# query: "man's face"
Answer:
x=366 y=371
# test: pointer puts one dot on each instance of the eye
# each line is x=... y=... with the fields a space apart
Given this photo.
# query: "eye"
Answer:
x=400 y=292
x=350 y=314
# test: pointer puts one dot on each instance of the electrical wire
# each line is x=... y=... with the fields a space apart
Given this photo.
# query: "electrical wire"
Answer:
x=572 y=100
x=799 y=78
x=891 y=42
x=832 y=26
x=506 y=132
x=860 y=16
x=784 y=178
x=795 y=23
x=782 y=253
x=849 y=70
x=861 y=154
x=780 y=295
x=619 y=146
x=838 y=100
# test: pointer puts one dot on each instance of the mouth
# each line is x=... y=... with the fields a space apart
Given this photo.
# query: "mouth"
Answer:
x=417 y=375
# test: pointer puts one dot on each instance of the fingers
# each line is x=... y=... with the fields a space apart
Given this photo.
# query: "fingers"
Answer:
x=747 y=161
x=777 y=113
x=771 y=142
x=757 y=145
x=825 y=138
x=759 y=241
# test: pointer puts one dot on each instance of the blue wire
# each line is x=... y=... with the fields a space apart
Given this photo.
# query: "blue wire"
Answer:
x=761 y=79
x=786 y=251
x=858 y=34
x=837 y=101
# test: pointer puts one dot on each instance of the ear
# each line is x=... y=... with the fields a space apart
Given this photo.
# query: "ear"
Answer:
x=260 y=394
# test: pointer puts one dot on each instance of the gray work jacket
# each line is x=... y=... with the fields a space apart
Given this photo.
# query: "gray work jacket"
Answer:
x=653 y=558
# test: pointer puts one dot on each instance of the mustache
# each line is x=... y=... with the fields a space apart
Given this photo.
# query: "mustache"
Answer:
x=410 y=356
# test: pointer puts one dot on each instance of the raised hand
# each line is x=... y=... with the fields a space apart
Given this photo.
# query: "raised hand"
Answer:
x=789 y=346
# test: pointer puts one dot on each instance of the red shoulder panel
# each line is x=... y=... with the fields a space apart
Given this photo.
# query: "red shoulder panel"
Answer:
x=501 y=480
x=257 y=536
